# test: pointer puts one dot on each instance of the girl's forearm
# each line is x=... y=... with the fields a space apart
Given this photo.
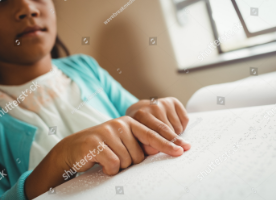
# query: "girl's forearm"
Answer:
x=48 y=174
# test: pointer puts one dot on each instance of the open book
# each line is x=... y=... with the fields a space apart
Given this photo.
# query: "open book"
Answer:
x=233 y=156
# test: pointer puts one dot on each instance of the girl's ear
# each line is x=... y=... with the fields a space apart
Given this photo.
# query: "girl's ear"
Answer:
x=59 y=45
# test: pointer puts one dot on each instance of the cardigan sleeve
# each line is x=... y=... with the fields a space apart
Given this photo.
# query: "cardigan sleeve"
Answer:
x=118 y=95
x=17 y=191
x=13 y=133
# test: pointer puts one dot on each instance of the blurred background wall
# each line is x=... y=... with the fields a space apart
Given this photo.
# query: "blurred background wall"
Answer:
x=122 y=48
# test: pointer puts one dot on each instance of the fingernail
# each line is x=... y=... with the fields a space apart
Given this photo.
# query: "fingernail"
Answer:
x=185 y=144
x=185 y=141
x=182 y=140
x=176 y=147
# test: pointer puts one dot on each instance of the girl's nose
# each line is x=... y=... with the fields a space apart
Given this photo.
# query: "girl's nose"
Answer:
x=26 y=9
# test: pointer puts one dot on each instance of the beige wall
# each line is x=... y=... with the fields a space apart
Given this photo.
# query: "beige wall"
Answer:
x=123 y=45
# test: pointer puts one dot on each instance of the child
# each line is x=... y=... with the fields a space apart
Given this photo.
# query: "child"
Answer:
x=60 y=116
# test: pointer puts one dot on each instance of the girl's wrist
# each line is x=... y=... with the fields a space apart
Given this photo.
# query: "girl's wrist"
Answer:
x=47 y=175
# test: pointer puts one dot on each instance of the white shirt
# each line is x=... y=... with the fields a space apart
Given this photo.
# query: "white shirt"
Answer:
x=50 y=100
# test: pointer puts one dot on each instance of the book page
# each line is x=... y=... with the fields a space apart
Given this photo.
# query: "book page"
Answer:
x=233 y=156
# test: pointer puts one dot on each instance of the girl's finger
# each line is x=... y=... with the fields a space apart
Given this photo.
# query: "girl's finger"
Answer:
x=149 y=137
x=108 y=160
x=133 y=147
x=158 y=126
x=162 y=116
x=182 y=114
x=120 y=149
x=175 y=121
x=149 y=150
x=161 y=128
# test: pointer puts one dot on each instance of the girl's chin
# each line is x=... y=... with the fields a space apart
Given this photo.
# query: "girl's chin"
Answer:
x=33 y=47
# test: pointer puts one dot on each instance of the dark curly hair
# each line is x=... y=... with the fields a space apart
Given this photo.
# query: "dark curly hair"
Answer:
x=59 y=45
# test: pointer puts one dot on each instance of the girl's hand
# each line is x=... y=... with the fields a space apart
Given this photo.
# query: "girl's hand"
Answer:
x=167 y=117
x=112 y=144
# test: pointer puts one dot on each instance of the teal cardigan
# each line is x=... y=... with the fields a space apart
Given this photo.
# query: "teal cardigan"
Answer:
x=16 y=136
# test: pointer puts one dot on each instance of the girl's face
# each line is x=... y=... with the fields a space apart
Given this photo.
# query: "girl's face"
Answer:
x=27 y=31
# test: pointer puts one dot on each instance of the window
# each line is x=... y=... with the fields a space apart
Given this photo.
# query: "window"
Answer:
x=256 y=20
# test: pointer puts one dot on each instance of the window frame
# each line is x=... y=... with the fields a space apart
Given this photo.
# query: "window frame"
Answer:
x=181 y=5
x=225 y=57
x=246 y=30
x=186 y=3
